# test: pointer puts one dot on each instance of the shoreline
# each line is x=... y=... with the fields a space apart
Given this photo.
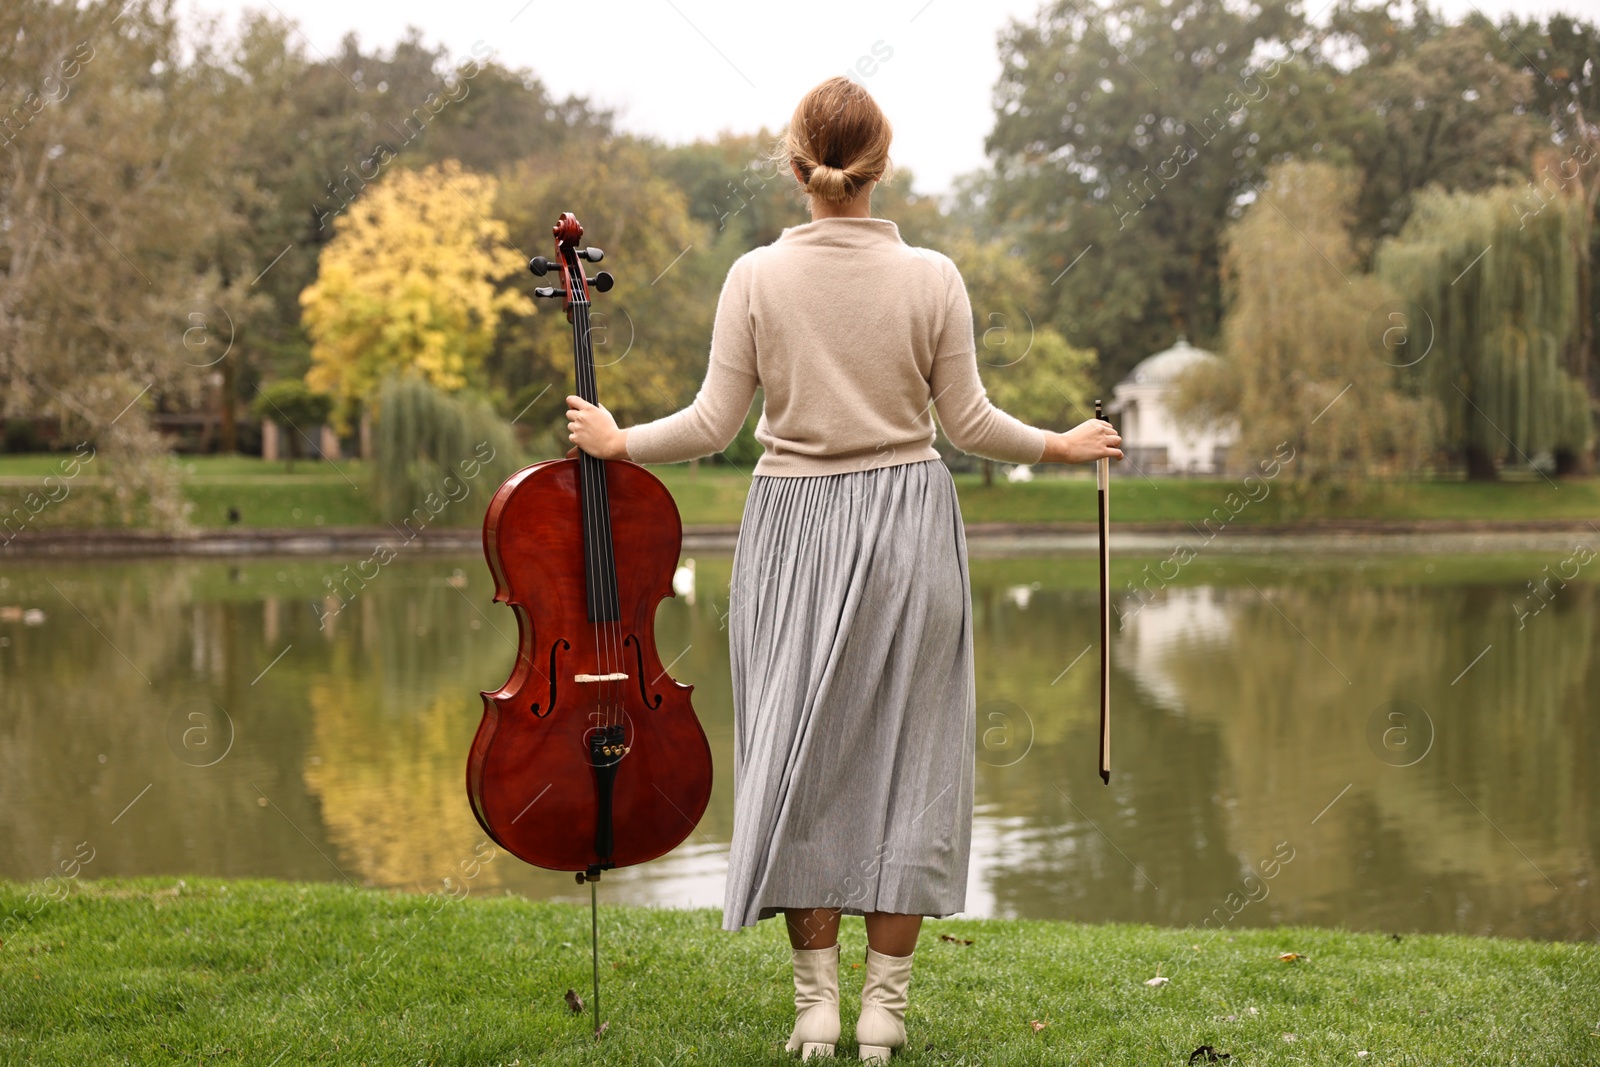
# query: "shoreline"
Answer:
x=983 y=539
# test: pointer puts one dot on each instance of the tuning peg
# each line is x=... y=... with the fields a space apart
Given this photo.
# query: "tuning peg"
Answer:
x=539 y=265
x=603 y=281
x=593 y=255
x=549 y=290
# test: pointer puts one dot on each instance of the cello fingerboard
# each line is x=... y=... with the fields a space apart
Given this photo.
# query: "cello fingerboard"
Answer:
x=599 y=556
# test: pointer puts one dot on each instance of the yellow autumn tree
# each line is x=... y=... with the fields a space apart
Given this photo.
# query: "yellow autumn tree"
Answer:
x=407 y=284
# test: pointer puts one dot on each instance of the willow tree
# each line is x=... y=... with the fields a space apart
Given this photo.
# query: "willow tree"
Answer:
x=1499 y=284
x=1298 y=375
x=434 y=450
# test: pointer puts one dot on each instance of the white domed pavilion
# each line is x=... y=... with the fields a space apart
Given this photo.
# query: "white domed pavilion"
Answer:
x=1152 y=440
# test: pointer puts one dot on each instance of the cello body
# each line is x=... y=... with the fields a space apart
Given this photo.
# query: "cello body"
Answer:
x=589 y=757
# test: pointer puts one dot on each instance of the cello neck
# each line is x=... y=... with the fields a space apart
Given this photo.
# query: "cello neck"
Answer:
x=583 y=350
x=599 y=556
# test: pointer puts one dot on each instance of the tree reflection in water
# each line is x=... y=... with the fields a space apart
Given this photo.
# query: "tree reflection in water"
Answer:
x=1245 y=700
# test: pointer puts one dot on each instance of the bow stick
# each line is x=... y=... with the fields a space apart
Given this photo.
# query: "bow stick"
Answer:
x=1103 y=483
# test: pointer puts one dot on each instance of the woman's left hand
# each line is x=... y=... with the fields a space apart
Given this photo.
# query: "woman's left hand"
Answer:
x=592 y=429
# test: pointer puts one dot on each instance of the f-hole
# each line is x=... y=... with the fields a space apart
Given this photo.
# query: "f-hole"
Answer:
x=550 y=706
x=638 y=656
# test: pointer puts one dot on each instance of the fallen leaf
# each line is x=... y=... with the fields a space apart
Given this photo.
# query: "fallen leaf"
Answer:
x=1207 y=1054
x=603 y=1027
x=1363 y=1054
x=1253 y=1011
x=1158 y=980
x=1290 y=957
x=574 y=1002
x=1290 y=1037
x=956 y=940
x=1037 y=1025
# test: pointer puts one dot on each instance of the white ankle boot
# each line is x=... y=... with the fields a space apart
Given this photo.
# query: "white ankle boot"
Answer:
x=816 y=1001
x=881 y=1027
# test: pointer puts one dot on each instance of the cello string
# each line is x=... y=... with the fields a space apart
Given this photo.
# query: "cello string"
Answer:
x=613 y=584
x=608 y=562
x=608 y=641
x=599 y=512
x=576 y=297
x=611 y=589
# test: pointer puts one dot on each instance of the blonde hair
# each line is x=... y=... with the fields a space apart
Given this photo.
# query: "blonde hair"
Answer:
x=839 y=138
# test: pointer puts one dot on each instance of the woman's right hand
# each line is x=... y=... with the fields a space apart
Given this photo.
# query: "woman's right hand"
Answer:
x=1086 y=442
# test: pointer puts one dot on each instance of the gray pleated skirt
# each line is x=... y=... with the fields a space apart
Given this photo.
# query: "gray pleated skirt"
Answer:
x=850 y=640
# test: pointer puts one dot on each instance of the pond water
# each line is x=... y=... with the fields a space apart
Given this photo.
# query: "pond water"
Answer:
x=1378 y=742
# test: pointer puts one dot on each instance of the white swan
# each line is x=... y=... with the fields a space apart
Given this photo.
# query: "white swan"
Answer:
x=683 y=581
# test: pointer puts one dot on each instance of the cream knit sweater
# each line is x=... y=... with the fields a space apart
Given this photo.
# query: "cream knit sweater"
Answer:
x=853 y=336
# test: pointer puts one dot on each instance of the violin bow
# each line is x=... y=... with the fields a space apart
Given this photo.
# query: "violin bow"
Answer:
x=1103 y=485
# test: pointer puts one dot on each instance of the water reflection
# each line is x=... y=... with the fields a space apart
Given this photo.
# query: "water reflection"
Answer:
x=218 y=718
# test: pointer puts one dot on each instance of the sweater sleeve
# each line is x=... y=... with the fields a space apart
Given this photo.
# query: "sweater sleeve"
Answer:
x=971 y=422
x=713 y=420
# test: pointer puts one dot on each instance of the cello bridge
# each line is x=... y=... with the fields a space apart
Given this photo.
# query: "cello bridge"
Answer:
x=615 y=677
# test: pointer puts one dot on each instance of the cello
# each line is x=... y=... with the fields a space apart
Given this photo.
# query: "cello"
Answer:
x=589 y=757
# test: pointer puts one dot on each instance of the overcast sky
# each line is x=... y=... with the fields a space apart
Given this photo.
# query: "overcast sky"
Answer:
x=684 y=69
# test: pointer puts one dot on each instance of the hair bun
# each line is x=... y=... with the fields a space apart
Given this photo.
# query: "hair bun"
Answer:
x=833 y=184
x=839 y=140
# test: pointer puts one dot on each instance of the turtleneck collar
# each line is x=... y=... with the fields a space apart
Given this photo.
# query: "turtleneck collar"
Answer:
x=843 y=231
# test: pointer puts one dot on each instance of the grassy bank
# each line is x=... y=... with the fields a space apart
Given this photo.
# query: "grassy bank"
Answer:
x=265 y=495
x=163 y=971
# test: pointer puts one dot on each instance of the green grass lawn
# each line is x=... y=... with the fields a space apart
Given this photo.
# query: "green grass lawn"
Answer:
x=1136 y=499
x=158 y=971
x=324 y=494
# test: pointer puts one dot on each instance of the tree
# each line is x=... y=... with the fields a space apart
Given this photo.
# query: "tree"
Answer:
x=651 y=333
x=1446 y=112
x=407 y=285
x=1566 y=86
x=315 y=132
x=112 y=201
x=1557 y=56
x=732 y=187
x=1124 y=137
x=1499 y=282
x=291 y=404
x=1028 y=369
x=1298 y=373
